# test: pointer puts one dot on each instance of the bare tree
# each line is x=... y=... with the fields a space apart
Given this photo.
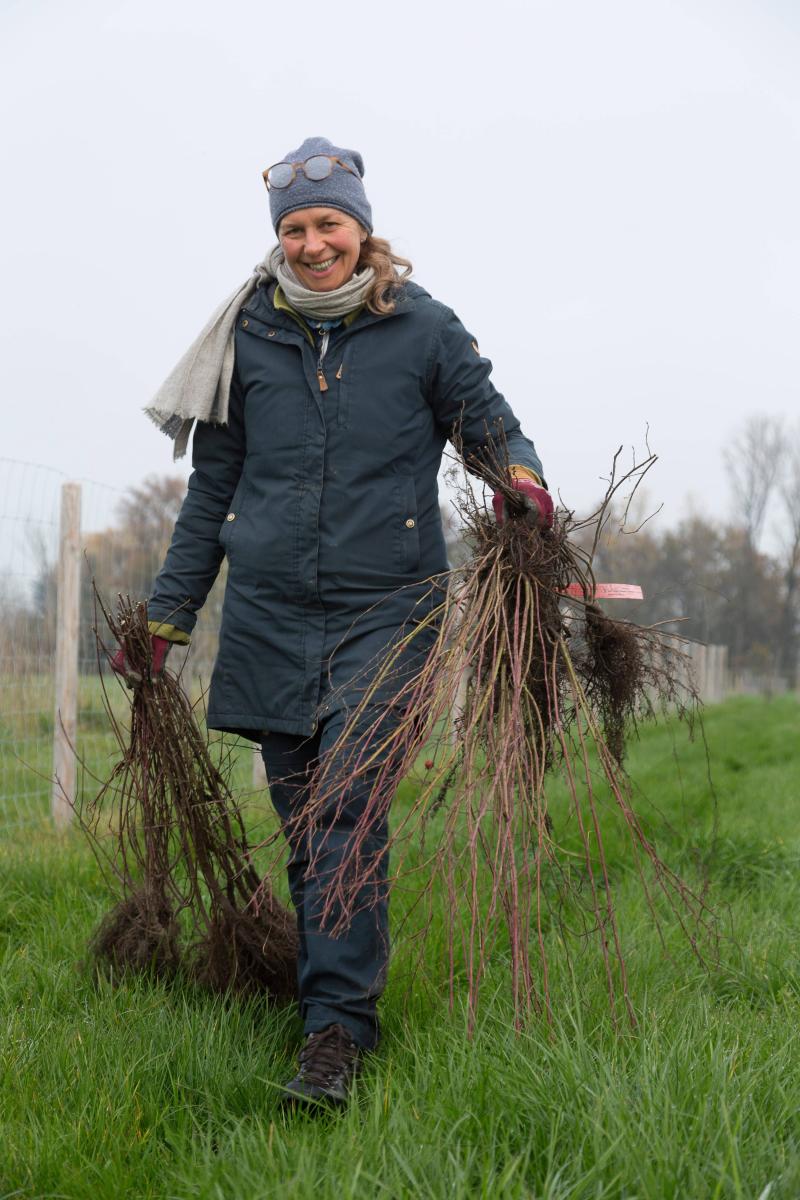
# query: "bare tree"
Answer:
x=753 y=460
x=149 y=511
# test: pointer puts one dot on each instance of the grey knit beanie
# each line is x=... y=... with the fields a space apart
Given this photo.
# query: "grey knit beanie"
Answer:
x=342 y=189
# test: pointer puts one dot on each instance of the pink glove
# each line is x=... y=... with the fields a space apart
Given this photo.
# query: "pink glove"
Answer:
x=538 y=501
x=160 y=649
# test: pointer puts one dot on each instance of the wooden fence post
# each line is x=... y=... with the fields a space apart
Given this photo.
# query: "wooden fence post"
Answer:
x=65 y=726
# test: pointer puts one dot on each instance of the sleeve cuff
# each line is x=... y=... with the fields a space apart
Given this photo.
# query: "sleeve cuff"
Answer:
x=525 y=473
x=170 y=633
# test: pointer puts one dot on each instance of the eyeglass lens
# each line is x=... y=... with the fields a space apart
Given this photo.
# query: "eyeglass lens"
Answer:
x=317 y=167
x=281 y=175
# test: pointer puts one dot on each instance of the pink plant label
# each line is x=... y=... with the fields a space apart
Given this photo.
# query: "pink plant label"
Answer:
x=607 y=591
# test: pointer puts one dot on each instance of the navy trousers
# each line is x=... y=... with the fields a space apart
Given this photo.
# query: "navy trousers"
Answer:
x=341 y=975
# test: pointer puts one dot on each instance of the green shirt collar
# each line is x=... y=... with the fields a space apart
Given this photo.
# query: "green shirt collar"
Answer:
x=280 y=302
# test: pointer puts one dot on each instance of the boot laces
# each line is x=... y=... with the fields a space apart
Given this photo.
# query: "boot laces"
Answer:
x=327 y=1055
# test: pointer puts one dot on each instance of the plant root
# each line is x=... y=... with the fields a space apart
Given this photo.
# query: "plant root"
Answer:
x=139 y=933
x=248 y=953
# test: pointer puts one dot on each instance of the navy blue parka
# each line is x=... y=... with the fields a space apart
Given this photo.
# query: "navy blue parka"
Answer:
x=321 y=490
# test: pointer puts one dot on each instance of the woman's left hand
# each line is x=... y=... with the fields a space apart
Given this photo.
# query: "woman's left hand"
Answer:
x=539 y=502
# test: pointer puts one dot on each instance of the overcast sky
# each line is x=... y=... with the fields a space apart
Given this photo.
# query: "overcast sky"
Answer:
x=606 y=191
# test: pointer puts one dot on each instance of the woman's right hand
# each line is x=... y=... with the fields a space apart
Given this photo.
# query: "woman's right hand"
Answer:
x=159 y=647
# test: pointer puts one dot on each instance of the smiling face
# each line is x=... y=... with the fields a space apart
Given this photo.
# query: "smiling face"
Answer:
x=321 y=246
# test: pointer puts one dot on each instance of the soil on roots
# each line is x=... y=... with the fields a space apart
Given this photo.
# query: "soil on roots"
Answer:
x=616 y=675
x=140 y=933
x=249 y=953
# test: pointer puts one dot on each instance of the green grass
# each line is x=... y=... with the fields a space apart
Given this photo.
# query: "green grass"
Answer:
x=145 y=1090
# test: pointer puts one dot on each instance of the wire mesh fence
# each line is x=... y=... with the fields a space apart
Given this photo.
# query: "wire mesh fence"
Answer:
x=29 y=519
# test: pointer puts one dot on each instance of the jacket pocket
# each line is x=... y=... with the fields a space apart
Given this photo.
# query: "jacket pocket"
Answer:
x=227 y=530
x=407 y=539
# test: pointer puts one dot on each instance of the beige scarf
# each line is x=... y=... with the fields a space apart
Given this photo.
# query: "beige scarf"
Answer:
x=198 y=387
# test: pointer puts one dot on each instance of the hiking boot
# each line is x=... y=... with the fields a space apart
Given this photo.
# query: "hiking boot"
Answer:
x=329 y=1061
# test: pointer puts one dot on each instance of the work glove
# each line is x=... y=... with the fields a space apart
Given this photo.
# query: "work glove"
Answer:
x=538 y=502
x=160 y=649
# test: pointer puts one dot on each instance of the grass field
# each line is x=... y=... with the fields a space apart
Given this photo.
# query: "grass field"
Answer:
x=146 y=1090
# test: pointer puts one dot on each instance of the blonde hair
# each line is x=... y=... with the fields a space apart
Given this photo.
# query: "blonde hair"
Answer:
x=389 y=278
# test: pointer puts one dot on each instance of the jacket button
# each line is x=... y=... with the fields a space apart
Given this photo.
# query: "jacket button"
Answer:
x=272 y=333
x=410 y=523
x=245 y=324
x=231 y=517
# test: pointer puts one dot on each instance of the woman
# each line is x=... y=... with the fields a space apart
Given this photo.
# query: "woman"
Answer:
x=324 y=392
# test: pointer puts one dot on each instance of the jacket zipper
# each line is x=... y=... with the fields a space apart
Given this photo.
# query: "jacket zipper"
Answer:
x=323 y=383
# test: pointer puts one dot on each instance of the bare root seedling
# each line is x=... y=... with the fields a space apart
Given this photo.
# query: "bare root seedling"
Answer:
x=171 y=841
x=545 y=685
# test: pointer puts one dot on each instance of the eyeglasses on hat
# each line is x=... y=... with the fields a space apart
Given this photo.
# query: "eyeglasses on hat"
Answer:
x=319 y=166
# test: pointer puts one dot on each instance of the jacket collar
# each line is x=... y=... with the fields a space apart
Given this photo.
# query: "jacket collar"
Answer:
x=268 y=304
